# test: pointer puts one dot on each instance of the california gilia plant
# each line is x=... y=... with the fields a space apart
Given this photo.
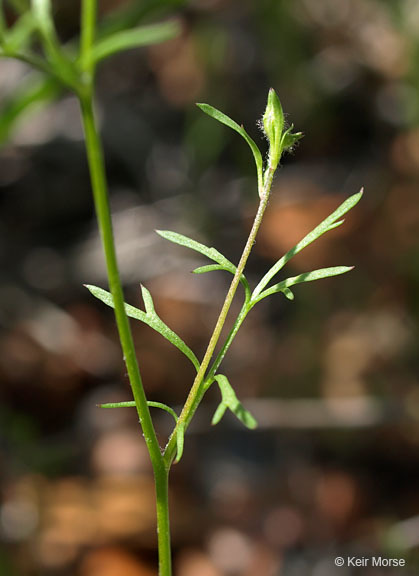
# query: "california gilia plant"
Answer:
x=33 y=39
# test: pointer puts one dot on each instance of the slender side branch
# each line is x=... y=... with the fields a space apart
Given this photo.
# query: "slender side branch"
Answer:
x=220 y=356
x=195 y=394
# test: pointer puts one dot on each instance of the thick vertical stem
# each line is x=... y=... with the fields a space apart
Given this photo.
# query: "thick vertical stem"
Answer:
x=161 y=479
x=100 y=194
x=87 y=34
x=101 y=200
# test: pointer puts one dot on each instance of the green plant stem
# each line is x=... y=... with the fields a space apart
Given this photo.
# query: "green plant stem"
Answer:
x=220 y=356
x=163 y=525
x=247 y=306
x=197 y=390
x=100 y=194
x=101 y=199
x=87 y=35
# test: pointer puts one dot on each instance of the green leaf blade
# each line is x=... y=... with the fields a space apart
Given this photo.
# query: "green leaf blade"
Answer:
x=218 y=414
x=210 y=253
x=224 y=119
x=148 y=301
x=107 y=405
x=229 y=400
x=150 y=318
x=288 y=294
x=164 y=407
x=209 y=268
x=134 y=38
x=216 y=267
x=331 y=222
x=305 y=277
x=131 y=404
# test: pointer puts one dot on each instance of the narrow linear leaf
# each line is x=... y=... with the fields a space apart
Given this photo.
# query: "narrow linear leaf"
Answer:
x=164 y=407
x=122 y=18
x=148 y=301
x=224 y=119
x=134 y=38
x=214 y=267
x=336 y=224
x=288 y=294
x=151 y=319
x=180 y=441
x=219 y=413
x=208 y=268
x=18 y=37
x=210 y=253
x=36 y=91
x=328 y=224
x=306 y=277
x=131 y=404
x=229 y=400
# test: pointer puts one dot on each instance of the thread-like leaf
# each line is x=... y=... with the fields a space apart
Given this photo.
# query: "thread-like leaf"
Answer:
x=224 y=119
x=134 y=38
x=305 y=277
x=164 y=407
x=128 y=404
x=131 y=404
x=210 y=253
x=328 y=224
x=229 y=400
x=214 y=267
x=150 y=318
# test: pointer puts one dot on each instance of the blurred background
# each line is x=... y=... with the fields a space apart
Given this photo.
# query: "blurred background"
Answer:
x=332 y=377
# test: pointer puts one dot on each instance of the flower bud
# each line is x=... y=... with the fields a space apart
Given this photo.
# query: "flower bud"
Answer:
x=273 y=125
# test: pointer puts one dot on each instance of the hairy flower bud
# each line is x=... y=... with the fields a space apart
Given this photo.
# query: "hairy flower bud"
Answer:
x=273 y=125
